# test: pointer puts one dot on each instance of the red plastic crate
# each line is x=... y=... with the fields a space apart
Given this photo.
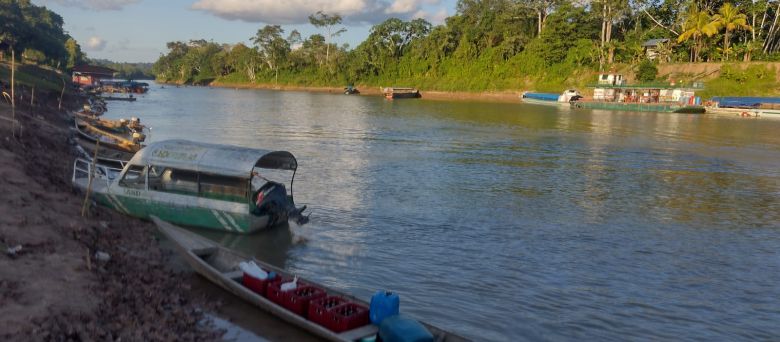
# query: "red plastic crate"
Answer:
x=298 y=300
x=346 y=317
x=257 y=285
x=273 y=291
x=318 y=308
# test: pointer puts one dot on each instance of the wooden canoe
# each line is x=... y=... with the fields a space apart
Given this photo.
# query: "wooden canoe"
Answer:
x=220 y=265
x=107 y=139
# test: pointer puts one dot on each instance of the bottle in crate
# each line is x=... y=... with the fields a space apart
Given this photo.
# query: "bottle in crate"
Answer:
x=346 y=316
x=319 y=308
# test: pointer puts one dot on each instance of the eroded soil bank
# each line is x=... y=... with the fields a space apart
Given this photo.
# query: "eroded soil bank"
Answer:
x=54 y=287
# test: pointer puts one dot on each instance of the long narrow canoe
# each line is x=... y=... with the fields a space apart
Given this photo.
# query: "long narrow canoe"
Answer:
x=220 y=265
x=107 y=139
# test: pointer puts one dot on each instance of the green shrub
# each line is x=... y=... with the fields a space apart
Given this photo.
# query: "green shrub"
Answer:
x=647 y=72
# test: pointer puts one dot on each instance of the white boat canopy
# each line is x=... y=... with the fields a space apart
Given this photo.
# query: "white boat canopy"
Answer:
x=215 y=159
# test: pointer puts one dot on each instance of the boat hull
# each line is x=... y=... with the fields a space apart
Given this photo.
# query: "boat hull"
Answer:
x=178 y=209
x=640 y=107
x=773 y=113
x=403 y=95
x=545 y=103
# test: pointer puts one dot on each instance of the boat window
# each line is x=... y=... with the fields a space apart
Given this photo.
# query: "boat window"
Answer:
x=135 y=177
x=223 y=187
x=171 y=180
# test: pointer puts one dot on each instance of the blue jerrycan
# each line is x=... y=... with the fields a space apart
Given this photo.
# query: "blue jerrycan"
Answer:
x=383 y=304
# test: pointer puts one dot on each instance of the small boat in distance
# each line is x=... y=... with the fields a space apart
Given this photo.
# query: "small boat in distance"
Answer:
x=119 y=98
x=563 y=99
x=351 y=90
x=202 y=185
x=221 y=266
x=401 y=93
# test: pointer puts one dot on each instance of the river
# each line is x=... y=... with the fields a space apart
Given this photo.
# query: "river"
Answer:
x=505 y=221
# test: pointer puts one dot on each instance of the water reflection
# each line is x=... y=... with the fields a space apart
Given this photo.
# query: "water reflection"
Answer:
x=510 y=222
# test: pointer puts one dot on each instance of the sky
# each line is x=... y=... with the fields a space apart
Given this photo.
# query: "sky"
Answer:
x=137 y=30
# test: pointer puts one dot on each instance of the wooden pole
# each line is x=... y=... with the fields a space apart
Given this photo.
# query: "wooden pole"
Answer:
x=61 y=94
x=13 y=95
x=85 y=206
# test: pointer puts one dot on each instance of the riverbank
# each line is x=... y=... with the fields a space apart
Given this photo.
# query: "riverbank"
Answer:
x=721 y=79
x=366 y=90
x=68 y=277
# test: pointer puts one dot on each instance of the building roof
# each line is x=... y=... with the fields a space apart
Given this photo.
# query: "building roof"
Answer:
x=94 y=70
x=214 y=159
x=655 y=42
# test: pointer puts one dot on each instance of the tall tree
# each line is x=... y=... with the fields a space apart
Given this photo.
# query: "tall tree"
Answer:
x=273 y=47
x=75 y=56
x=698 y=25
x=320 y=20
x=729 y=19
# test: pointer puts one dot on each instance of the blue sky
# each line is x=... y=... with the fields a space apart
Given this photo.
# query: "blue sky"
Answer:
x=137 y=30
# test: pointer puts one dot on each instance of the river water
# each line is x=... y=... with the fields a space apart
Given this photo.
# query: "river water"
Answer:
x=505 y=221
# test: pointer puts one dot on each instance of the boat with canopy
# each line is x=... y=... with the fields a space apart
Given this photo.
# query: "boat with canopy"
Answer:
x=228 y=188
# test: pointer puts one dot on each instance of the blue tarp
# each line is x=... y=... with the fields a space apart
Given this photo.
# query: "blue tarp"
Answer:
x=542 y=96
x=743 y=101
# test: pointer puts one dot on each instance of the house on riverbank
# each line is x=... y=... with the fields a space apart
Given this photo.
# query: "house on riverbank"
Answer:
x=90 y=75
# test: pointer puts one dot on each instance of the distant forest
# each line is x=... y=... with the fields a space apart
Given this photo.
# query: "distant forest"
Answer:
x=492 y=44
x=36 y=35
x=130 y=71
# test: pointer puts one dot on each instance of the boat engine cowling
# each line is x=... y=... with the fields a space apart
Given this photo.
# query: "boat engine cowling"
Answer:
x=271 y=199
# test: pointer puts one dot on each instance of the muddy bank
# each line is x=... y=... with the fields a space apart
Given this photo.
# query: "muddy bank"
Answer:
x=497 y=96
x=55 y=287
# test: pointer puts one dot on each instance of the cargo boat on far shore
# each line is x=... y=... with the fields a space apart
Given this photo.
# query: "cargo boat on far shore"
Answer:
x=612 y=93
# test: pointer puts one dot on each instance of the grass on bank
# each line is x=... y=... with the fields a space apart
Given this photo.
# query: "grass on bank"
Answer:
x=30 y=75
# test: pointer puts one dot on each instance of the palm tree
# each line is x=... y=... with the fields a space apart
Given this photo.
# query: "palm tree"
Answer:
x=697 y=25
x=728 y=17
x=664 y=52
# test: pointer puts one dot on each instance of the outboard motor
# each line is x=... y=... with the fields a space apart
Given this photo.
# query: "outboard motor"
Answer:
x=271 y=199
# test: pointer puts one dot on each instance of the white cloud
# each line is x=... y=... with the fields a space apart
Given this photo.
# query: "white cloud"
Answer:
x=403 y=6
x=439 y=17
x=97 y=5
x=434 y=18
x=298 y=11
x=95 y=43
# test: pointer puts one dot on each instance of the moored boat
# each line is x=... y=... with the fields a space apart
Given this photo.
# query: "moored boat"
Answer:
x=612 y=93
x=119 y=98
x=351 y=90
x=203 y=185
x=563 y=99
x=401 y=93
x=221 y=266
x=125 y=140
x=745 y=106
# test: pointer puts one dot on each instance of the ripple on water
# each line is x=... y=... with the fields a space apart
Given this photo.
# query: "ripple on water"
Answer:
x=508 y=222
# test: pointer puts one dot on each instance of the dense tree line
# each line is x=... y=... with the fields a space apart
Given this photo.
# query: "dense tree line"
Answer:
x=36 y=34
x=490 y=44
x=126 y=70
